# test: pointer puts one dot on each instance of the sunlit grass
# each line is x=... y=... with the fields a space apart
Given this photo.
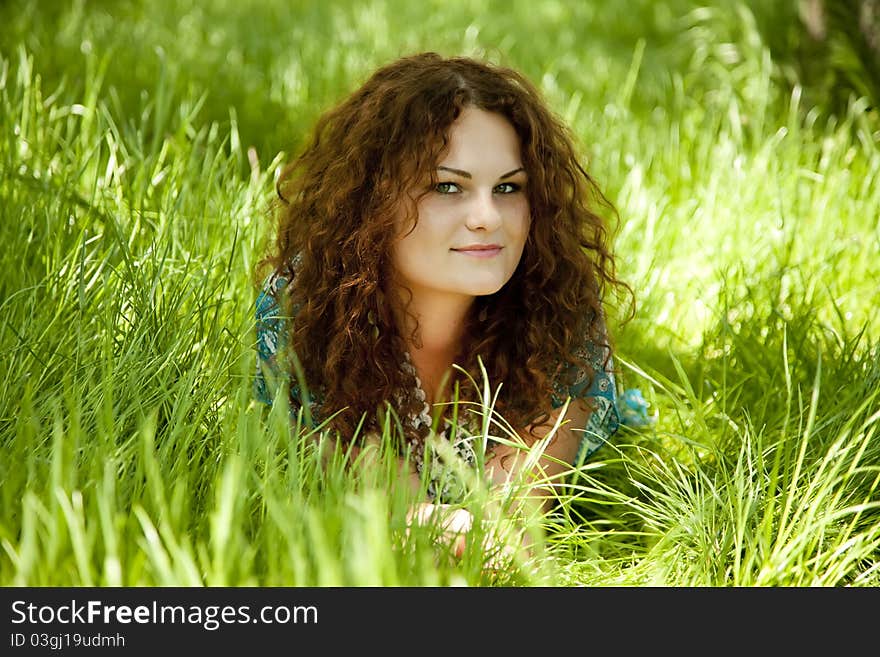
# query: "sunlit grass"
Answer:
x=137 y=154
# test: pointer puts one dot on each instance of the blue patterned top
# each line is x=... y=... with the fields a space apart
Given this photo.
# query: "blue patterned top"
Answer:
x=599 y=389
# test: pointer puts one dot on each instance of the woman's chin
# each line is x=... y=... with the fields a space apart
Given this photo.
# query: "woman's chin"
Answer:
x=484 y=290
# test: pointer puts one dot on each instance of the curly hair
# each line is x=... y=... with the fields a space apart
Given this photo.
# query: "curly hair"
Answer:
x=335 y=212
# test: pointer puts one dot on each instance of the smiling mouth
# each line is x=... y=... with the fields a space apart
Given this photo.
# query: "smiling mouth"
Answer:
x=480 y=251
x=486 y=247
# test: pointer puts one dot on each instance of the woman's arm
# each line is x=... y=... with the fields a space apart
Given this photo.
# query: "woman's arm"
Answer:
x=454 y=523
x=507 y=464
x=367 y=457
x=511 y=464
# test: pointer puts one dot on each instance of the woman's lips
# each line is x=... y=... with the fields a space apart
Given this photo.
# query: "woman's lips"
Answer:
x=480 y=252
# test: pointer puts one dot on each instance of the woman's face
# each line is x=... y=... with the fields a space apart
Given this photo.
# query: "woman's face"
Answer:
x=472 y=225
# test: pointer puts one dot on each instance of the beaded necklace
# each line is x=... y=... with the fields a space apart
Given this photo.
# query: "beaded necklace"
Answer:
x=444 y=481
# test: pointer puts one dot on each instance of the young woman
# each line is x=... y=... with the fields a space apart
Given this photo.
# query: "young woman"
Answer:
x=437 y=222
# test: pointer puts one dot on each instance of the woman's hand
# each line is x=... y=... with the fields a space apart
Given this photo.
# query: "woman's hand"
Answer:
x=454 y=523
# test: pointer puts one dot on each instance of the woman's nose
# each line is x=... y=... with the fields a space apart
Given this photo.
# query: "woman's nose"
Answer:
x=483 y=213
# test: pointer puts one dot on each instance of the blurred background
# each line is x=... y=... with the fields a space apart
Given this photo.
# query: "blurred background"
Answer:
x=277 y=64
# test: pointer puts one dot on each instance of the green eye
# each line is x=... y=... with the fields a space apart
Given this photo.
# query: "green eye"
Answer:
x=507 y=188
x=446 y=188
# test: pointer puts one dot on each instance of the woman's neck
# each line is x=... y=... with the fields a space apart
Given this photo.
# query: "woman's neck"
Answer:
x=441 y=323
x=440 y=320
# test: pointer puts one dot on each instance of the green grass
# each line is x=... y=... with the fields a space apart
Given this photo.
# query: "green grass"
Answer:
x=138 y=144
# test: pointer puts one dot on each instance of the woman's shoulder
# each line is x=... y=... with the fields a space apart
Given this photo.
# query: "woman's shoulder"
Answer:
x=270 y=312
x=273 y=289
x=270 y=292
x=272 y=335
x=594 y=381
x=597 y=378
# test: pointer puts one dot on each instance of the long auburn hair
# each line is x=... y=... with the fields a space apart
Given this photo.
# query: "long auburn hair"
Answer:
x=336 y=208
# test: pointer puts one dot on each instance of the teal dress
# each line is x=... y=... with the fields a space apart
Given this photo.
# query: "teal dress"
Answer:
x=600 y=389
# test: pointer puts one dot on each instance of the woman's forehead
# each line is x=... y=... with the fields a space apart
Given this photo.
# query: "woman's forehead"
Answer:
x=480 y=140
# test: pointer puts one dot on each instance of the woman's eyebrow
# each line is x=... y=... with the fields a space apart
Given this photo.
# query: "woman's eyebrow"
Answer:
x=465 y=174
